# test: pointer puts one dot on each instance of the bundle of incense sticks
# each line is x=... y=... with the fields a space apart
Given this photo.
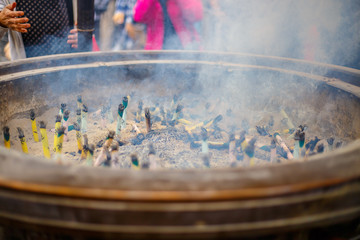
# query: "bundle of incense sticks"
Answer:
x=125 y=103
x=287 y=119
x=120 y=120
x=66 y=124
x=107 y=161
x=78 y=137
x=78 y=116
x=59 y=144
x=103 y=117
x=90 y=155
x=204 y=144
x=106 y=146
x=57 y=127
x=114 y=150
x=84 y=114
x=85 y=147
x=249 y=152
x=139 y=112
x=134 y=162
x=22 y=140
x=299 y=138
x=283 y=146
x=148 y=120
x=232 y=148
x=176 y=114
x=152 y=158
x=33 y=125
x=330 y=142
x=44 y=139
x=62 y=109
x=6 y=132
x=79 y=102
x=273 y=158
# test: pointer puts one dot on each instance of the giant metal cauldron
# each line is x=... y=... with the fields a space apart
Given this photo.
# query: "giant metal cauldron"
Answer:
x=40 y=197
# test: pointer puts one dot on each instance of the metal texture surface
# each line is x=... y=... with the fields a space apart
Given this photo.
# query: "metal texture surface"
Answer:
x=216 y=203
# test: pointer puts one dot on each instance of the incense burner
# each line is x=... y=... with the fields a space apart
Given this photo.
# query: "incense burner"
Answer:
x=302 y=198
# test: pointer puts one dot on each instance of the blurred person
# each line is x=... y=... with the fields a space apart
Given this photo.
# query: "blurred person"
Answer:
x=170 y=23
x=211 y=24
x=100 y=8
x=129 y=35
x=42 y=32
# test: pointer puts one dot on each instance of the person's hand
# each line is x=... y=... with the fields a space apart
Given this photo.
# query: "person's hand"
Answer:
x=119 y=18
x=73 y=38
x=7 y=51
x=131 y=30
x=8 y=19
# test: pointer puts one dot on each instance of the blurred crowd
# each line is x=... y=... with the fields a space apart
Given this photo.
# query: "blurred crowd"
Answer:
x=306 y=29
x=44 y=27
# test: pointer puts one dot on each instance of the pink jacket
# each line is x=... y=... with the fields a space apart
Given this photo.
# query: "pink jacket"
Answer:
x=183 y=13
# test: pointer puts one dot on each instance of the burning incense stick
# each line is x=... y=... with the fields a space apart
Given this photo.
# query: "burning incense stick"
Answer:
x=78 y=137
x=320 y=148
x=103 y=117
x=297 y=144
x=79 y=102
x=206 y=160
x=6 y=132
x=62 y=109
x=22 y=140
x=134 y=162
x=330 y=142
x=66 y=124
x=287 y=119
x=44 y=139
x=273 y=157
x=232 y=149
x=204 y=143
x=125 y=103
x=33 y=125
x=283 y=145
x=152 y=158
x=139 y=112
x=302 y=140
x=114 y=151
x=176 y=114
x=107 y=161
x=242 y=141
x=78 y=116
x=85 y=148
x=148 y=119
x=120 y=120
x=163 y=116
x=249 y=152
x=59 y=145
x=90 y=155
x=57 y=127
x=107 y=144
x=84 y=114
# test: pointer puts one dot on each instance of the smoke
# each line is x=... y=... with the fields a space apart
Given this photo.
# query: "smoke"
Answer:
x=324 y=30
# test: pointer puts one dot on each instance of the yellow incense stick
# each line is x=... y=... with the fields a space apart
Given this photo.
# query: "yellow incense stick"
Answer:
x=57 y=127
x=22 y=140
x=59 y=145
x=84 y=148
x=6 y=131
x=78 y=137
x=90 y=155
x=60 y=140
x=33 y=125
x=44 y=139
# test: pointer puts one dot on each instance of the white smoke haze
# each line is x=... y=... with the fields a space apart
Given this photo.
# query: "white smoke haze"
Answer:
x=327 y=30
